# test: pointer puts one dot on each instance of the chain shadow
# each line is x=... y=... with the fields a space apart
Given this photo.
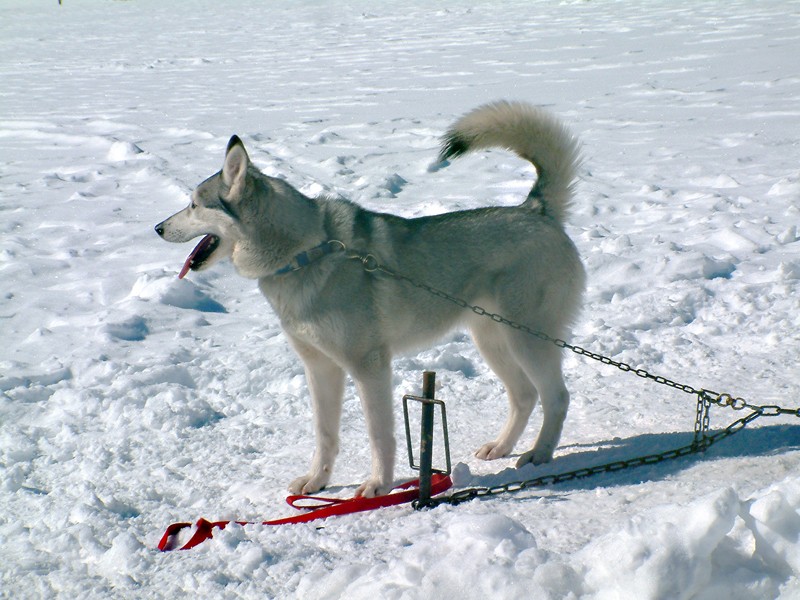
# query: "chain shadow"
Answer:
x=754 y=441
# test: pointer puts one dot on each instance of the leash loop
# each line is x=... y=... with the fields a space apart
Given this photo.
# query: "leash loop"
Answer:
x=324 y=508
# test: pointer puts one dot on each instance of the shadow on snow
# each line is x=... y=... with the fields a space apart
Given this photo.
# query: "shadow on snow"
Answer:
x=751 y=442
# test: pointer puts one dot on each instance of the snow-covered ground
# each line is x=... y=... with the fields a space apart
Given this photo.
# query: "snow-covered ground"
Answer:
x=130 y=400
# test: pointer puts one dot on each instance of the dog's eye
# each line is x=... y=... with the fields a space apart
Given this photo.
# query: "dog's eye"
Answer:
x=193 y=205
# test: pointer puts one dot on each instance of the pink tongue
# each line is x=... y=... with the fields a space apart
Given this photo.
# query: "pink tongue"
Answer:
x=190 y=261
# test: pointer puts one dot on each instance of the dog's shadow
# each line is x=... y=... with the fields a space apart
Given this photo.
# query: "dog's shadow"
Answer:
x=755 y=441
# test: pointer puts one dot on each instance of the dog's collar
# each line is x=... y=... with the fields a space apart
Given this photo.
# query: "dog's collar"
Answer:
x=306 y=257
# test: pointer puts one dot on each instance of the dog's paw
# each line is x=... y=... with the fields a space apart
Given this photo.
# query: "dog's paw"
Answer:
x=493 y=450
x=536 y=457
x=308 y=484
x=373 y=487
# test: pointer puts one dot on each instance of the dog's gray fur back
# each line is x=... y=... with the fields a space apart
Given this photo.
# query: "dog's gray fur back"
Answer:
x=516 y=261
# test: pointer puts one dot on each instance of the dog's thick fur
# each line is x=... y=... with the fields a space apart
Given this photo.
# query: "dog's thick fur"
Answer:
x=340 y=318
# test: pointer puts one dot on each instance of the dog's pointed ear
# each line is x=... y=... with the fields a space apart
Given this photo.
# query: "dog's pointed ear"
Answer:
x=234 y=171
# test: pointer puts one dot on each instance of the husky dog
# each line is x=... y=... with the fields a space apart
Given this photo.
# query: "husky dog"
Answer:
x=341 y=317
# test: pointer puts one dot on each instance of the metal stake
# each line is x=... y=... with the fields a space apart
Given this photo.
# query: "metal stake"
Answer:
x=426 y=438
x=427 y=419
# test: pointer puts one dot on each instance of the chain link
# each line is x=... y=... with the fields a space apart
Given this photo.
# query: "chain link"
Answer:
x=705 y=398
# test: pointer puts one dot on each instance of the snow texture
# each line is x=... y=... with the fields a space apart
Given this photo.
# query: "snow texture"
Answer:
x=130 y=400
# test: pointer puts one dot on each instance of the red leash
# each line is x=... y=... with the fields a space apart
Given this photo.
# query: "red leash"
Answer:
x=319 y=508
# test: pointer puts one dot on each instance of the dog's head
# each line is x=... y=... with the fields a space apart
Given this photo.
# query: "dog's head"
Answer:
x=242 y=214
x=211 y=213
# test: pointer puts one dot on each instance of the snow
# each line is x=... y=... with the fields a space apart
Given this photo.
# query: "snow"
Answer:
x=130 y=400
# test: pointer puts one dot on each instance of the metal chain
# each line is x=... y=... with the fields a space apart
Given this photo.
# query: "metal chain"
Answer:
x=372 y=265
x=705 y=398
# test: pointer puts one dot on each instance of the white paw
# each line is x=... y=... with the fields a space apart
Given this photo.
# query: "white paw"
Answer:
x=309 y=484
x=493 y=450
x=536 y=457
x=373 y=487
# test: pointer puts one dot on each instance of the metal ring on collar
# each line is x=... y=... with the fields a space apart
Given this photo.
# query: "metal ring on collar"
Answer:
x=370 y=263
x=334 y=243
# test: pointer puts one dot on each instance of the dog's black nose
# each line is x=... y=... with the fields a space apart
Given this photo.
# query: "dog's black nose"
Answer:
x=160 y=229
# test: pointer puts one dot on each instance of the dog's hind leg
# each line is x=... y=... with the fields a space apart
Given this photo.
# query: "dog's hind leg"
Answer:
x=522 y=395
x=326 y=383
x=541 y=361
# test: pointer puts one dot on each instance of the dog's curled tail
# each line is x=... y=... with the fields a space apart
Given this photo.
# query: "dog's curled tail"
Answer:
x=532 y=133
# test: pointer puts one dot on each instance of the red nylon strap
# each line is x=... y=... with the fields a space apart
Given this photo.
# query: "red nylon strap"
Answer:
x=321 y=508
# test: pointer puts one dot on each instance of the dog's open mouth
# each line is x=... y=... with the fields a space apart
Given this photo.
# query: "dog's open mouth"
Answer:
x=200 y=254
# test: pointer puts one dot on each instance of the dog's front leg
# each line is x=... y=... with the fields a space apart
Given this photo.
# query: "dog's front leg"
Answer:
x=374 y=382
x=326 y=383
